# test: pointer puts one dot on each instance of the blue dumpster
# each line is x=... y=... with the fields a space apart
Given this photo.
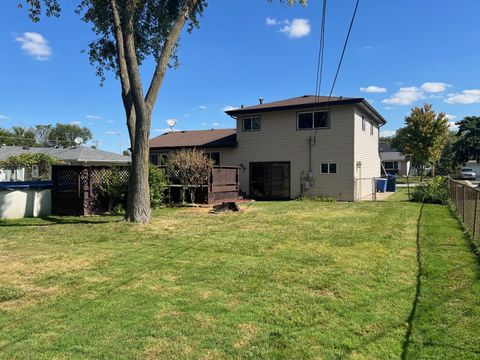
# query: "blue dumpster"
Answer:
x=381 y=185
x=392 y=183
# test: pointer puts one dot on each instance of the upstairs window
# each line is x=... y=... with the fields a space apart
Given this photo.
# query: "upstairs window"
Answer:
x=313 y=120
x=251 y=123
x=364 y=120
x=371 y=128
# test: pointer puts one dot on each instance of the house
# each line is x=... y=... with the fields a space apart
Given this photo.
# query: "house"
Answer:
x=304 y=146
x=70 y=156
x=393 y=161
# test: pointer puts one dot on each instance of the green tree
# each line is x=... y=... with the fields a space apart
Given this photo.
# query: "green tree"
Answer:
x=468 y=145
x=65 y=134
x=130 y=31
x=423 y=137
x=18 y=136
x=449 y=162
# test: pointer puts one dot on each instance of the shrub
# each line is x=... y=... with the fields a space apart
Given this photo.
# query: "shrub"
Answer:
x=114 y=187
x=434 y=191
x=158 y=186
x=191 y=167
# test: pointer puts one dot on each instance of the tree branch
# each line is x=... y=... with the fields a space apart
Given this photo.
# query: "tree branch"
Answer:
x=166 y=53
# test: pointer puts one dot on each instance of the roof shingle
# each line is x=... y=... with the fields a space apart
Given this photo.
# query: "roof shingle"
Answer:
x=195 y=138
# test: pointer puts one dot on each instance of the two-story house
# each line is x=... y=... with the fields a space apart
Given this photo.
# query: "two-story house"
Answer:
x=309 y=145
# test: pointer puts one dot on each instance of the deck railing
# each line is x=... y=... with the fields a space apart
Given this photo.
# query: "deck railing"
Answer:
x=465 y=201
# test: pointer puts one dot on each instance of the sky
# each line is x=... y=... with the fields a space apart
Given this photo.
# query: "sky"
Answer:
x=401 y=54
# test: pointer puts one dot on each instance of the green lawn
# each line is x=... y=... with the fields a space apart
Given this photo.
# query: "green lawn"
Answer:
x=278 y=280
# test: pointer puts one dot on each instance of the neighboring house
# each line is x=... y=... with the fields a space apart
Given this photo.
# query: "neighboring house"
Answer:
x=309 y=145
x=69 y=156
x=393 y=161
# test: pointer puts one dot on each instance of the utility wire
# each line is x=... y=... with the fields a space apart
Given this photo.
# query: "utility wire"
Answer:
x=344 y=48
x=321 y=50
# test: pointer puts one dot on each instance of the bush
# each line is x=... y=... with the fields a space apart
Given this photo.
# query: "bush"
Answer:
x=433 y=191
x=158 y=186
x=114 y=187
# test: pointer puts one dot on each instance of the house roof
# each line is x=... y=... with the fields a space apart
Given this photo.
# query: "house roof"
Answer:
x=78 y=154
x=306 y=102
x=195 y=138
x=392 y=156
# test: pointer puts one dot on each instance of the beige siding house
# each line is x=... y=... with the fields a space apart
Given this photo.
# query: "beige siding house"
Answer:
x=305 y=146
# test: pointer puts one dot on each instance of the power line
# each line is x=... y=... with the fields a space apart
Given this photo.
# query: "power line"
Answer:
x=344 y=48
x=321 y=50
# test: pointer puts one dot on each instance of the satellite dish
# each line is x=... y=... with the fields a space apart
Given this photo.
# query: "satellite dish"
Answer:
x=171 y=123
x=78 y=140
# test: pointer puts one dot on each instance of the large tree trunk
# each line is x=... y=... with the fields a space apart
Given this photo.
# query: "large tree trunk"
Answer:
x=139 y=189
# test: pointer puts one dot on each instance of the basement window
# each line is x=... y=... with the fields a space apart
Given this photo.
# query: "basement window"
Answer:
x=328 y=168
x=251 y=123
x=313 y=120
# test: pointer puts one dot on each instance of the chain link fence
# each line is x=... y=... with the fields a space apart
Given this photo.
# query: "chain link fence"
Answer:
x=465 y=202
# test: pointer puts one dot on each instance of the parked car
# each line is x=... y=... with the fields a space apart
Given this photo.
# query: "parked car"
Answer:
x=467 y=174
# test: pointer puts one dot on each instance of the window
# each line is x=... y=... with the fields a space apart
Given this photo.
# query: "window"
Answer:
x=215 y=156
x=328 y=168
x=371 y=128
x=313 y=120
x=154 y=159
x=35 y=171
x=363 y=122
x=391 y=165
x=251 y=123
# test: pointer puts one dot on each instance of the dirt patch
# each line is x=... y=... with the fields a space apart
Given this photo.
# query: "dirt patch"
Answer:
x=247 y=333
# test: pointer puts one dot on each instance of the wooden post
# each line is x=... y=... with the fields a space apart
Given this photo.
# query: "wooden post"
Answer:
x=463 y=204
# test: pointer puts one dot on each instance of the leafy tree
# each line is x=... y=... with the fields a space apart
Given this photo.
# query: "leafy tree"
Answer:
x=27 y=160
x=114 y=187
x=468 y=145
x=129 y=31
x=423 y=137
x=449 y=163
x=65 y=134
x=18 y=136
x=387 y=139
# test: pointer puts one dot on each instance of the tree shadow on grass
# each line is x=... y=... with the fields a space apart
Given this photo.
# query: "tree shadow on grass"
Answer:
x=58 y=220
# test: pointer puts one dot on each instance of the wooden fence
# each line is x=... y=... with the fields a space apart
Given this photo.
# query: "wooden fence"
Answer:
x=466 y=203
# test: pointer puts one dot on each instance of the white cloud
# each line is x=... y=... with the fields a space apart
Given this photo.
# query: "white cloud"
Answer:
x=271 y=21
x=405 y=96
x=450 y=116
x=435 y=87
x=387 y=133
x=3 y=117
x=111 y=132
x=93 y=117
x=215 y=124
x=389 y=108
x=204 y=124
x=78 y=123
x=465 y=97
x=35 y=44
x=297 y=28
x=228 y=108
x=452 y=125
x=373 y=89
x=110 y=122
x=202 y=107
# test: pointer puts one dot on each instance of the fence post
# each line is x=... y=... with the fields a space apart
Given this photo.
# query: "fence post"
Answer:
x=463 y=204
x=475 y=215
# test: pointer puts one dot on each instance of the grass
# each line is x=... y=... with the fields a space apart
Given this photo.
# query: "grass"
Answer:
x=300 y=279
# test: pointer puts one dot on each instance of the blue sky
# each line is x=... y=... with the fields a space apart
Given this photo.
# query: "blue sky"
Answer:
x=401 y=54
